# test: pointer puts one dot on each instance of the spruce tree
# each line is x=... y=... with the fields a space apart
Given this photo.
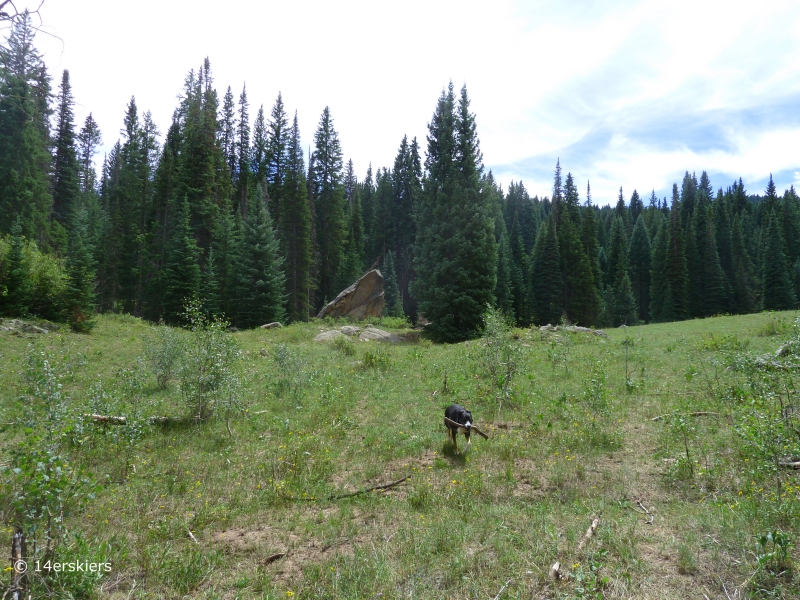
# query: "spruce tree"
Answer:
x=224 y=268
x=227 y=133
x=661 y=306
x=277 y=156
x=295 y=227
x=14 y=294
x=80 y=267
x=329 y=204
x=394 y=303
x=688 y=193
x=776 y=287
x=589 y=240
x=65 y=170
x=677 y=271
x=743 y=283
x=503 y=292
x=519 y=270
x=456 y=251
x=182 y=276
x=545 y=283
x=581 y=301
x=25 y=161
x=259 y=153
x=88 y=140
x=260 y=295
x=243 y=176
x=639 y=256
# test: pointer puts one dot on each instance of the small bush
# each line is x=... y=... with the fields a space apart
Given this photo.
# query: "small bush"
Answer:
x=210 y=363
x=163 y=352
x=376 y=359
x=292 y=369
x=344 y=345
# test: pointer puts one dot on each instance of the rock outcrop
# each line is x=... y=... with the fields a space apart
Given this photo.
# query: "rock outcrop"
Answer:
x=20 y=326
x=362 y=299
x=273 y=325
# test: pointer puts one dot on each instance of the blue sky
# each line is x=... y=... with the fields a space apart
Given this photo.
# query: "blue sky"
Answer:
x=629 y=93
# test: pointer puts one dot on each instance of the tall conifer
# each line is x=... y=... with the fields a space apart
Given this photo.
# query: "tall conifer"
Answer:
x=260 y=296
x=456 y=251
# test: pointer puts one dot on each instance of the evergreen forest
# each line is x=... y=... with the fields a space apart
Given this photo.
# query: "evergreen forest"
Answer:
x=225 y=206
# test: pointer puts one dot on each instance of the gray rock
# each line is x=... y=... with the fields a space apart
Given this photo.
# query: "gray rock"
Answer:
x=362 y=299
x=273 y=325
x=28 y=328
x=326 y=336
x=350 y=330
x=373 y=333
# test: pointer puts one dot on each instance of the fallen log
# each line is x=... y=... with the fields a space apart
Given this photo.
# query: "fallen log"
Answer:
x=473 y=428
x=790 y=464
x=589 y=532
x=114 y=420
x=702 y=413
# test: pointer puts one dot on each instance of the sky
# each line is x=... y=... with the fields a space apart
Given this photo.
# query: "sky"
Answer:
x=624 y=93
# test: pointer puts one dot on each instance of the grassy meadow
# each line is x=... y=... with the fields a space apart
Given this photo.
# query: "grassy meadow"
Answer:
x=199 y=510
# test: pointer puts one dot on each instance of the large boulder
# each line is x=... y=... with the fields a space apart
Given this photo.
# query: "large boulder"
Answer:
x=362 y=299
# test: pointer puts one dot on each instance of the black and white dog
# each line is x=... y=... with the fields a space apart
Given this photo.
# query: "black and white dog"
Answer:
x=459 y=414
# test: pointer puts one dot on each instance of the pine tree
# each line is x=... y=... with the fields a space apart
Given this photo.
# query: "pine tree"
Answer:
x=394 y=303
x=456 y=252
x=295 y=227
x=636 y=207
x=546 y=285
x=181 y=269
x=776 y=288
x=329 y=204
x=65 y=172
x=558 y=194
x=688 y=193
x=260 y=295
x=617 y=250
x=639 y=256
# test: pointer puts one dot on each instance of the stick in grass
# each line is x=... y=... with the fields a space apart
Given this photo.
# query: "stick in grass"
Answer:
x=702 y=413
x=589 y=533
x=373 y=488
x=474 y=428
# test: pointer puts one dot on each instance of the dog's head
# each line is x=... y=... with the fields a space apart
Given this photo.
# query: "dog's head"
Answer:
x=459 y=414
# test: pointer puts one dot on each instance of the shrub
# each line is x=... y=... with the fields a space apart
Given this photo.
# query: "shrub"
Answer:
x=344 y=345
x=163 y=350
x=376 y=359
x=208 y=373
x=499 y=353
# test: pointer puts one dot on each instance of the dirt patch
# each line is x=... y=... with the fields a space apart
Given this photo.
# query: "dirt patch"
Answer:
x=267 y=539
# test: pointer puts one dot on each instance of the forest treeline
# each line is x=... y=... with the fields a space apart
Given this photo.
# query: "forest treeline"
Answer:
x=228 y=209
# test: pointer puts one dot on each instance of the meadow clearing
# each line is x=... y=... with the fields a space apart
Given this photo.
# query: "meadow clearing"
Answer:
x=261 y=500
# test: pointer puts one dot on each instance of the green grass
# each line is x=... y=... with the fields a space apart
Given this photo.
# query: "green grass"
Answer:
x=327 y=419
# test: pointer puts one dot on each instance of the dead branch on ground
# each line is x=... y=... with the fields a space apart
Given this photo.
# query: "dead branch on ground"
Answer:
x=475 y=429
x=702 y=413
x=372 y=489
